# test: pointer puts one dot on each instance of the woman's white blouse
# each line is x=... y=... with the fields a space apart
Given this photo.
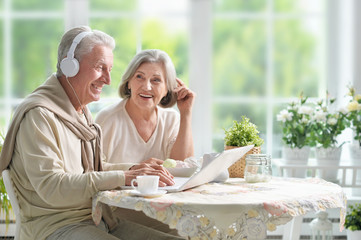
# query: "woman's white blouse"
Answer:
x=122 y=142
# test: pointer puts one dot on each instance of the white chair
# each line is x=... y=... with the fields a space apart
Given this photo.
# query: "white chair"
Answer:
x=13 y=200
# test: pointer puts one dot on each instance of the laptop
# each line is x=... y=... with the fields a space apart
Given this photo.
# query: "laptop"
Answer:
x=209 y=172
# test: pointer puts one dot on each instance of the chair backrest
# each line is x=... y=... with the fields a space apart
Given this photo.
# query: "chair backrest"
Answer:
x=13 y=200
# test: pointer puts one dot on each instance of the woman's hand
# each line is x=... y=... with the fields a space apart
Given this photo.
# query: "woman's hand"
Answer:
x=165 y=178
x=185 y=97
x=154 y=161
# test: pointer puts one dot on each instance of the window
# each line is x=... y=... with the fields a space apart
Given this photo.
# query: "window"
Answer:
x=265 y=52
x=241 y=57
x=29 y=36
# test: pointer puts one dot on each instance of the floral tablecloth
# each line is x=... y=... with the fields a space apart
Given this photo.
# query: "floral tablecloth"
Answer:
x=234 y=209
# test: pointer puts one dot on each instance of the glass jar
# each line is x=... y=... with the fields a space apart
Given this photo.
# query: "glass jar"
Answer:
x=258 y=168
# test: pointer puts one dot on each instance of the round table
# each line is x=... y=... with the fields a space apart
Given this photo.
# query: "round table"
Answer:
x=234 y=209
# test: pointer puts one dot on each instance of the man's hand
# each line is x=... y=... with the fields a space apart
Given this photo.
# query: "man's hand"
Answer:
x=150 y=167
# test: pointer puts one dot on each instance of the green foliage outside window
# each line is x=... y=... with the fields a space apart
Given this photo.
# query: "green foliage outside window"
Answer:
x=295 y=55
x=240 y=5
x=35 y=44
x=114 y=5
x=241 y=66
x=239 y=58
x=157 y=34
x=37 y=5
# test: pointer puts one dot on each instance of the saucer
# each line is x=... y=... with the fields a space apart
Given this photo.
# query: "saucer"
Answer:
x=148 y=195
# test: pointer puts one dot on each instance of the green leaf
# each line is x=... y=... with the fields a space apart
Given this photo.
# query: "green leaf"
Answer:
x=242 y=133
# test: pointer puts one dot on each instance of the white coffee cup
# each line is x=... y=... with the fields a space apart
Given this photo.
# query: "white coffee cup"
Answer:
x=147 y=184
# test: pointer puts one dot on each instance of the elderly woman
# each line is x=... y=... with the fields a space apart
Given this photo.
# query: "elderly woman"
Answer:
x=143 y=128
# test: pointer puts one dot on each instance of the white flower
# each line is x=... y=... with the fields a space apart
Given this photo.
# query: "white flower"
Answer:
x=318 y=108
x=343 y=110
x=294 y=108
x=304 y=120
x=332 y=121
x=354 y=106
x=305 y=110
x=320 y=116
x=284 y=116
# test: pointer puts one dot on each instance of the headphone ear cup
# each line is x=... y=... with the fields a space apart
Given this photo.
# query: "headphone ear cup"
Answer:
x=69 y=66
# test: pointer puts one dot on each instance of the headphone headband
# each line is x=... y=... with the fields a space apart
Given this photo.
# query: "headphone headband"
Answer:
x=76 y=41
x=69 y=65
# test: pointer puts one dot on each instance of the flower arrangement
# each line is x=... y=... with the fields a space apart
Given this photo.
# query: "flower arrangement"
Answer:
x=304 y=124
x=296 y=123
x=353 y=217
x=327 y=125
x=242 y=133
x=354 y=116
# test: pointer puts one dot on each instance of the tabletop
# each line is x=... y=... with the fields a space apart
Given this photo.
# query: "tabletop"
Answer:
x=233 y=209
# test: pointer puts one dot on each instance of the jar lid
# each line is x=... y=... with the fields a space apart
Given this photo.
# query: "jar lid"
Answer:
x=259 y=159
x=258 y=156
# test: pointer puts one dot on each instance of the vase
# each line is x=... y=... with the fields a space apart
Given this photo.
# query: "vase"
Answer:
x=328 y=157
x=353 y=235
x=237 y=169
x=296 y=156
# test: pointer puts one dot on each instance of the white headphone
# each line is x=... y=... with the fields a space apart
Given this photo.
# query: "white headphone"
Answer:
x=69 y=65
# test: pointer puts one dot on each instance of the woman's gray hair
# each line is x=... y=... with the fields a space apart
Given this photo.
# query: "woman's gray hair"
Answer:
x=151 y=56
x=85 y=46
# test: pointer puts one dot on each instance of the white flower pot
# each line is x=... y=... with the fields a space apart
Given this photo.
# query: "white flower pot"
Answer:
x=353 y=235
x=355 y=155
x=355 y=152
x=328 y=157
x=296 y=156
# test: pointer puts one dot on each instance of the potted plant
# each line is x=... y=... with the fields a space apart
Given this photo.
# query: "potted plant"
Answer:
x=5 y=205
x=327 y=125
x=354 y=116
x=353 y=222
x=242 y=133
x=296 y=126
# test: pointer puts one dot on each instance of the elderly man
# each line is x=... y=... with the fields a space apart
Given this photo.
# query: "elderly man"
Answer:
x=53 y=149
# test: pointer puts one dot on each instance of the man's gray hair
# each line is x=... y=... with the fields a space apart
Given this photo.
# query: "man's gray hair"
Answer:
x=151 y=56
x=85 y=46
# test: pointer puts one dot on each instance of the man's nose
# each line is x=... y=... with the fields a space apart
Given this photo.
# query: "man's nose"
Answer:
x=107 y=77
